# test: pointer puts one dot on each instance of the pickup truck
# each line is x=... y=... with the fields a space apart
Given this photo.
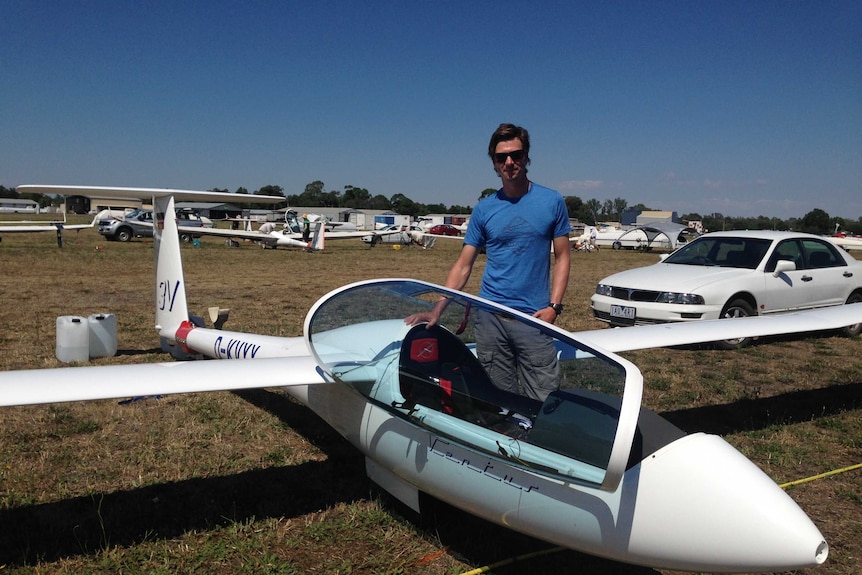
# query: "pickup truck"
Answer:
x=139 y=224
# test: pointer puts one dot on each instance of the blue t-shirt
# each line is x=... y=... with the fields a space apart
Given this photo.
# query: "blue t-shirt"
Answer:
x=517 y=236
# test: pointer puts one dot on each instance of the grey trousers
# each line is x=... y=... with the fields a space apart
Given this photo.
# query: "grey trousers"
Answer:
x=517 y=357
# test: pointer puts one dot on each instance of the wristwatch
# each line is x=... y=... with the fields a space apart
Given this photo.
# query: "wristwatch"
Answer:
x=557 y=307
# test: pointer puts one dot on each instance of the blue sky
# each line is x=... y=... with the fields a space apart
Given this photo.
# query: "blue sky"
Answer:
x=744 y=108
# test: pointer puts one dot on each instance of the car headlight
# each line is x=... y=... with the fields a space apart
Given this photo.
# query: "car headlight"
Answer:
x=680 y=298
x=605 y=290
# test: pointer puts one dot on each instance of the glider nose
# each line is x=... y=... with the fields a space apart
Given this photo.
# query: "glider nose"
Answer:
x=719 y=512
x=822 y=553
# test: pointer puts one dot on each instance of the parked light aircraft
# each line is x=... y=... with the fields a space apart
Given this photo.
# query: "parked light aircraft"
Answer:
x=274 y=238
x=292 y=220
x=606 y=235
x=847 y=243
x=34 y=227
x=284 y=237
x=290 y=235
x=588 y=468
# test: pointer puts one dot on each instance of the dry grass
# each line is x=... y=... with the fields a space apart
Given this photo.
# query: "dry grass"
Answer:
x=253 y=482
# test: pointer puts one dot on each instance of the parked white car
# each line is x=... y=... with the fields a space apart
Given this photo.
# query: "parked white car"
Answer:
x=733 y=274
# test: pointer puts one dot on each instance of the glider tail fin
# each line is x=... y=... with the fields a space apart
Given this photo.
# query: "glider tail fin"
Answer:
x=170 y=291
x=319 y=235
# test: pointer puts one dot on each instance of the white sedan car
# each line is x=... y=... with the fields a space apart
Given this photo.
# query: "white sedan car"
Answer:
x=733 y=274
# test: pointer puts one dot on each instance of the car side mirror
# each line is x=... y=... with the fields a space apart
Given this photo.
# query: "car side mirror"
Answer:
x=783 y=266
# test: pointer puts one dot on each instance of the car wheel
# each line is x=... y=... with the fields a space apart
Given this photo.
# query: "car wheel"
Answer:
x=123 y=235
x=616 y=245
x=856 y=328
x=736 y=308
x=187 y=238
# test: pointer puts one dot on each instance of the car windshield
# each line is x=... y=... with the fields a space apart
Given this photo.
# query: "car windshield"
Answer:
x=730 y=252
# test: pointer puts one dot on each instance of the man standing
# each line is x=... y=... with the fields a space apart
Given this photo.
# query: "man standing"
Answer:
x=516 y=226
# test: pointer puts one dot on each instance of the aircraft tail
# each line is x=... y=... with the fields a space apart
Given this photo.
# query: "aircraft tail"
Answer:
x=319 y=234
x=170 y=291
x=173 y=322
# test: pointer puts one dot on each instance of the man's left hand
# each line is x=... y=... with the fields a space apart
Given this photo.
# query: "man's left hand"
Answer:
x=546 y=314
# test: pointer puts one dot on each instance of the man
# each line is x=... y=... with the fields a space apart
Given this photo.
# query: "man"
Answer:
x=516 y=226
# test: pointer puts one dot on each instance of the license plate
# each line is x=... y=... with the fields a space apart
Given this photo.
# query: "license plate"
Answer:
x=623 y=312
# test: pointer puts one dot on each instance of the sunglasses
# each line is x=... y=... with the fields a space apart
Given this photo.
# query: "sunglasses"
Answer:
x=516 y=155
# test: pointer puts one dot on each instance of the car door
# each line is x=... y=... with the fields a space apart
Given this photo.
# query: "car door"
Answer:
x=143 y=223
x=828 y=271
x=789 y=290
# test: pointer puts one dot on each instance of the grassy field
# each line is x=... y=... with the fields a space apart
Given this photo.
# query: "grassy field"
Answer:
x=254 y=483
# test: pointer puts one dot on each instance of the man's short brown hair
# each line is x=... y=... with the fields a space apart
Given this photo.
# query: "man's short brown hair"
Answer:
x=506 y=132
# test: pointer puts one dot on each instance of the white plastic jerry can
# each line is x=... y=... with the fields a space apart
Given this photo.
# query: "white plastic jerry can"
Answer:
x=103 y=334
x=73 y=338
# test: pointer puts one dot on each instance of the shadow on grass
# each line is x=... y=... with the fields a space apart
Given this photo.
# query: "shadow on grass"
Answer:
x=133 y=352
x=487 y=545
x=754 y=414
x=84 y=525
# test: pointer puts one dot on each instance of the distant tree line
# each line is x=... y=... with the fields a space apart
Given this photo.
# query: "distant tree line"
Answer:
x=590 y=211
x=816 y=221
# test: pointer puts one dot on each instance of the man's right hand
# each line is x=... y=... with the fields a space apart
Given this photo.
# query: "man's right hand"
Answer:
x=424 y=317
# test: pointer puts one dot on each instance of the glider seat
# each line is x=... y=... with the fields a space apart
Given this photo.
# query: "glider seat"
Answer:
x=439 y=372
